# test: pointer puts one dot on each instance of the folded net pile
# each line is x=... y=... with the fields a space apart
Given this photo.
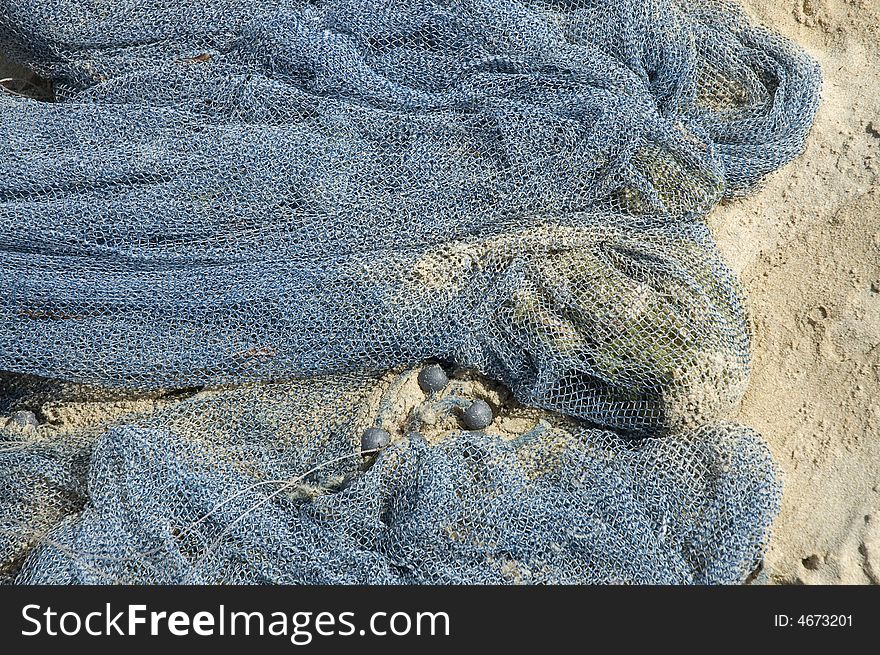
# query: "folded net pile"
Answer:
x=234 y=233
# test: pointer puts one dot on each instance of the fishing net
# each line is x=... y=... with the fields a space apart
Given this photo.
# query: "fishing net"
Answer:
x=267 y=484
x=231 y=234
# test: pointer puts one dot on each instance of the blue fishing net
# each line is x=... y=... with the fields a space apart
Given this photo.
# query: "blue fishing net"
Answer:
x=230 y=233
x=267 y=484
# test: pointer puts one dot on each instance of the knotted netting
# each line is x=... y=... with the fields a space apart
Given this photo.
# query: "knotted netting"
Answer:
x=232 y=233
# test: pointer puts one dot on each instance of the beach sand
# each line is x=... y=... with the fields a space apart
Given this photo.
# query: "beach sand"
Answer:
x=807 y=248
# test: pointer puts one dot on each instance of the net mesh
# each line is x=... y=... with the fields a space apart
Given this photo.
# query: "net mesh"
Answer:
x=237 y=229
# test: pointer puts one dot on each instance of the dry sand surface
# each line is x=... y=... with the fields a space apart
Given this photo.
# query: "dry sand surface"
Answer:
x=807 y=247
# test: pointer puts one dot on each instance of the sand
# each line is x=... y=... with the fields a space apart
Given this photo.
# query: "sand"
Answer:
x=807 y=247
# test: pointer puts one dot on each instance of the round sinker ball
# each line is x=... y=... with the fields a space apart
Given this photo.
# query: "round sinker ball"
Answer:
x=477 y=416
x=374 y=439
x=433 y=379
x=24 y=419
